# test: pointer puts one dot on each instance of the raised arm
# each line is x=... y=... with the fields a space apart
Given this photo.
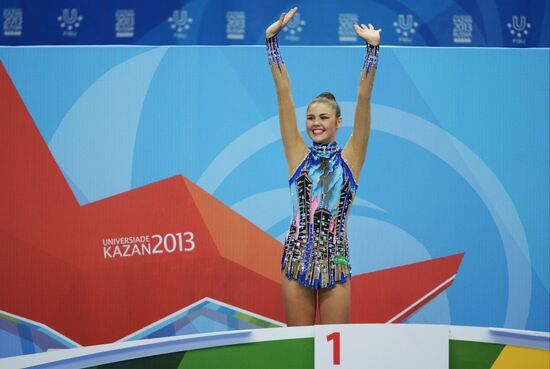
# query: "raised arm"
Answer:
x=293 y=143
x=355 y=150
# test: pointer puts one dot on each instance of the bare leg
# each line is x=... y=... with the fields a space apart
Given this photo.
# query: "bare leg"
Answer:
x=334 y=303
x=300 y=303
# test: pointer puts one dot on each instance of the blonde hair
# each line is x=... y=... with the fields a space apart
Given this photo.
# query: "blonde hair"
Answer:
x=326 y=98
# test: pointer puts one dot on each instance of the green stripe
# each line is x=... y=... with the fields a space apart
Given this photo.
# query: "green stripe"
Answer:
x=10 y=318
x=287 y=354
x=256 y=321
x=472 y=355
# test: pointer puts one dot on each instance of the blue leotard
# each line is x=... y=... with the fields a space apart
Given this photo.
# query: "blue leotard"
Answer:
x=322 y=188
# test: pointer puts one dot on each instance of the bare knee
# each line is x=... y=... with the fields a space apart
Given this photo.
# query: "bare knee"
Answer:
x=300 y=303
x=334 y=304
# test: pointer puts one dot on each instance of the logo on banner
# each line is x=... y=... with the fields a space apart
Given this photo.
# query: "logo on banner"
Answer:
x=519 y=29
x=346 y=21
x=180 y=22
x=125 y=23
x=148 y=245
x=294 y=28
x=13 y=21
x=405 y=27
x=235 y=26
x=69 y=21
x=462 y=29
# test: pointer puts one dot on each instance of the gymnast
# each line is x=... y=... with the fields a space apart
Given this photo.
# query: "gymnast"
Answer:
x=323 y=180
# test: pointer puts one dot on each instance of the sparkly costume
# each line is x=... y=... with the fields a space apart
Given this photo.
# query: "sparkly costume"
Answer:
x=316 y=249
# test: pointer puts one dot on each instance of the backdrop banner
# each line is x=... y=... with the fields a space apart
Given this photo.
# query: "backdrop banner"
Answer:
x=498 y=23
x=144 y=190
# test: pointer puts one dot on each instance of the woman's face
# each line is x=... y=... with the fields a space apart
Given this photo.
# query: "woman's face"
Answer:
x=321 y=122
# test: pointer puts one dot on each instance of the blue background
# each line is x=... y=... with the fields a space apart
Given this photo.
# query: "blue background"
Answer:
x=458 y=159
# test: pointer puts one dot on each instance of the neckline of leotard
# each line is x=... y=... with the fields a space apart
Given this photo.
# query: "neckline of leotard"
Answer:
x=325 y=149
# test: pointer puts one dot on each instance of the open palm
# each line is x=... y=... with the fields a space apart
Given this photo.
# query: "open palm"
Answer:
x=276 y=27
x=368 y=34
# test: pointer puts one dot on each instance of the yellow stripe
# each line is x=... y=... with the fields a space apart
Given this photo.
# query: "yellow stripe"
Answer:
x=514 y=357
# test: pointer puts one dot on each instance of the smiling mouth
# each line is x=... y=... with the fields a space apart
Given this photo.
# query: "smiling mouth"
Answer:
x=317 y=131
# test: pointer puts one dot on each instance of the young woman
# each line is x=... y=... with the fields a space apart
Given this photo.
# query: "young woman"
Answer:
x=323 y=182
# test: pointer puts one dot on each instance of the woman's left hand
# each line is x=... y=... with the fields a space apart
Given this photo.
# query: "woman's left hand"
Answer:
x=368 y=34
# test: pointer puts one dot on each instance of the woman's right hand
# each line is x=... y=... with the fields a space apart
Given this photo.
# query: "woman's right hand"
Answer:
x=276 y=27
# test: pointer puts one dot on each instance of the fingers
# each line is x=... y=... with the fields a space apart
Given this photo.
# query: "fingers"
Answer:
x=369 y=27
x=364 y=27
x=276 y=27
x=375 y=30
x=289 y=15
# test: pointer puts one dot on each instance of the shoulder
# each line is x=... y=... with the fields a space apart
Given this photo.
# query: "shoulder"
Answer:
x=297 y=168
x=348 y=166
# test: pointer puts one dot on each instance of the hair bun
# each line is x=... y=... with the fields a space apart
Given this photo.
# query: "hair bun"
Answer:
x=327 y=98
x=327 y=95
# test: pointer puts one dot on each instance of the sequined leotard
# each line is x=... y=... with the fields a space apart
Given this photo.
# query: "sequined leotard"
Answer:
x=322 y=188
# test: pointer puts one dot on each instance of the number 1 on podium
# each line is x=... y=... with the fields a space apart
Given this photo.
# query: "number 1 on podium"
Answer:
x=335 y=338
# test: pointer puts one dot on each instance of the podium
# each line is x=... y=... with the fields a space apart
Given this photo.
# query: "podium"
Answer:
x=388 y=346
